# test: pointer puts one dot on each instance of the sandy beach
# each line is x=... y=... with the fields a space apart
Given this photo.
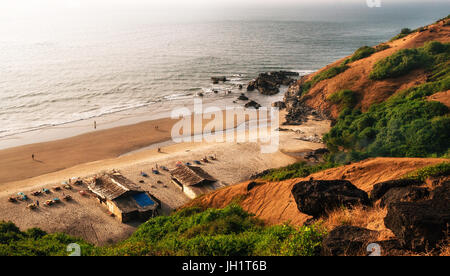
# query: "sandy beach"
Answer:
x=95 y=152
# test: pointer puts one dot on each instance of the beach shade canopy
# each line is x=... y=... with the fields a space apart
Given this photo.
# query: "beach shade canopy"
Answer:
x=143 y=200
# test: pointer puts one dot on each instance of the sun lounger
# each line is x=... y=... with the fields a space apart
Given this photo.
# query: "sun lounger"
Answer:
x=197 y=162
x=155 y=172
x=143 y=174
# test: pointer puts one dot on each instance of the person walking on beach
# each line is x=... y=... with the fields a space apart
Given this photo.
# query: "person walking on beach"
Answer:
x=32 y=156
x=37 y=203
x=95 y=124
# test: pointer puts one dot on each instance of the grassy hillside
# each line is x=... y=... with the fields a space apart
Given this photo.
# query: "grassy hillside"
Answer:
x=407 y=124
x=189 y=232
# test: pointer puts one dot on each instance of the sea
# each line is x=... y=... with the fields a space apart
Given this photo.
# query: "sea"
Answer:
x=64 y=61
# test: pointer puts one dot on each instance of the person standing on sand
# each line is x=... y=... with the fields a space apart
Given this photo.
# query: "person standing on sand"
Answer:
x=37 y=203
x=95 y=124
x=32 y=156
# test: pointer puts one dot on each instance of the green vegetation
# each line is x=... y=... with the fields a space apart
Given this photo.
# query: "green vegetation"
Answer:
x=406 y=60
x=35 y=242
x=382 y=47
x=189 y=232
x=327 y=74
x=361 y=53
x=399 y=64
x=406 y=125
x=296 y=170
x=442 y=169
x=344 y=98
x=404 y=32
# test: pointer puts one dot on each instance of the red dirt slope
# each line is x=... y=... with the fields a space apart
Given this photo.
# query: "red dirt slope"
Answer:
x=274 y=203
x=356 y=78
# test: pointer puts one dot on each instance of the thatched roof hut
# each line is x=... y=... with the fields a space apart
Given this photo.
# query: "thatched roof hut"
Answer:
x=123 y=198
x=191 y=176
x=194 y=181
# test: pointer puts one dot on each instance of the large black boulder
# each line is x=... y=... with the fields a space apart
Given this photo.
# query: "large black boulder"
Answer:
x=317 y=198
x=441 y=197
x=404 y=194
x=419 y=226
x=381 y=188
x=252 y=104
x=269 y=83
x=348 y=241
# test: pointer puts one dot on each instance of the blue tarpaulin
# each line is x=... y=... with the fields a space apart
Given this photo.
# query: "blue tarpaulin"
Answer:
x=143 y=200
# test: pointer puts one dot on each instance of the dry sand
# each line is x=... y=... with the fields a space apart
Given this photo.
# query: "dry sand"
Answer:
x=85 y=218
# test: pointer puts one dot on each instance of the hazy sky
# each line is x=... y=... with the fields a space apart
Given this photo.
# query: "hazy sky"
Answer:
x=179 y=10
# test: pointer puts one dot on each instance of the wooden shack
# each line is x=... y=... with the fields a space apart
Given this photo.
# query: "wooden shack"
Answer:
x=123 y=198
x=193 y=181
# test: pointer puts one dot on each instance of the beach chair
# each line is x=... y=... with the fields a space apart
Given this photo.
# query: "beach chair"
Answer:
x=67 y=187
x=46 y=191
x=49 y=202
x=143 y=174
x=12 y=199
x=36 y=193
x=56 y=200
x=155 y=172
x=197 y=162
x=67 y=198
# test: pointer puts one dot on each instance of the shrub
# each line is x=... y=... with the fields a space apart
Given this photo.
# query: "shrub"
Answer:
x=382 y=47
x=361 y=53
x=442 y=169
x=297 y=170
x=226 y=232
x=327 y=74
x=404 y=32
x=344 y=98
x=399 y=127
x=399 y=64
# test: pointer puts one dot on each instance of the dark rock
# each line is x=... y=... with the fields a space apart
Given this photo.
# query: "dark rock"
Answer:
x=279 y=105
x=269 y=83
x=321 y=151
x=390 y=248
x=253 y=184
x=316 y=198
x=441 y=197
x=253 y=104
x=251 y=87
x=381 y=188
x=216 y=80
x=242 y=97
x=348 y=241
x=419 y=226
x=404 y=194
x=240 y=86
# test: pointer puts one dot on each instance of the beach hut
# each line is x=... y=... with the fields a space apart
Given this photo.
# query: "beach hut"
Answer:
x=193 y=181
x=123 y=198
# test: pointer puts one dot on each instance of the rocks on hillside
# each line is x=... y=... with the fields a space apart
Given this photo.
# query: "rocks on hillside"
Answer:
x=269 y=83
x=348 y=241
x=404 y=194
x=419 y=226
x=280 y=105
x=381 y=188
x=316 y=198
x=252 y=104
